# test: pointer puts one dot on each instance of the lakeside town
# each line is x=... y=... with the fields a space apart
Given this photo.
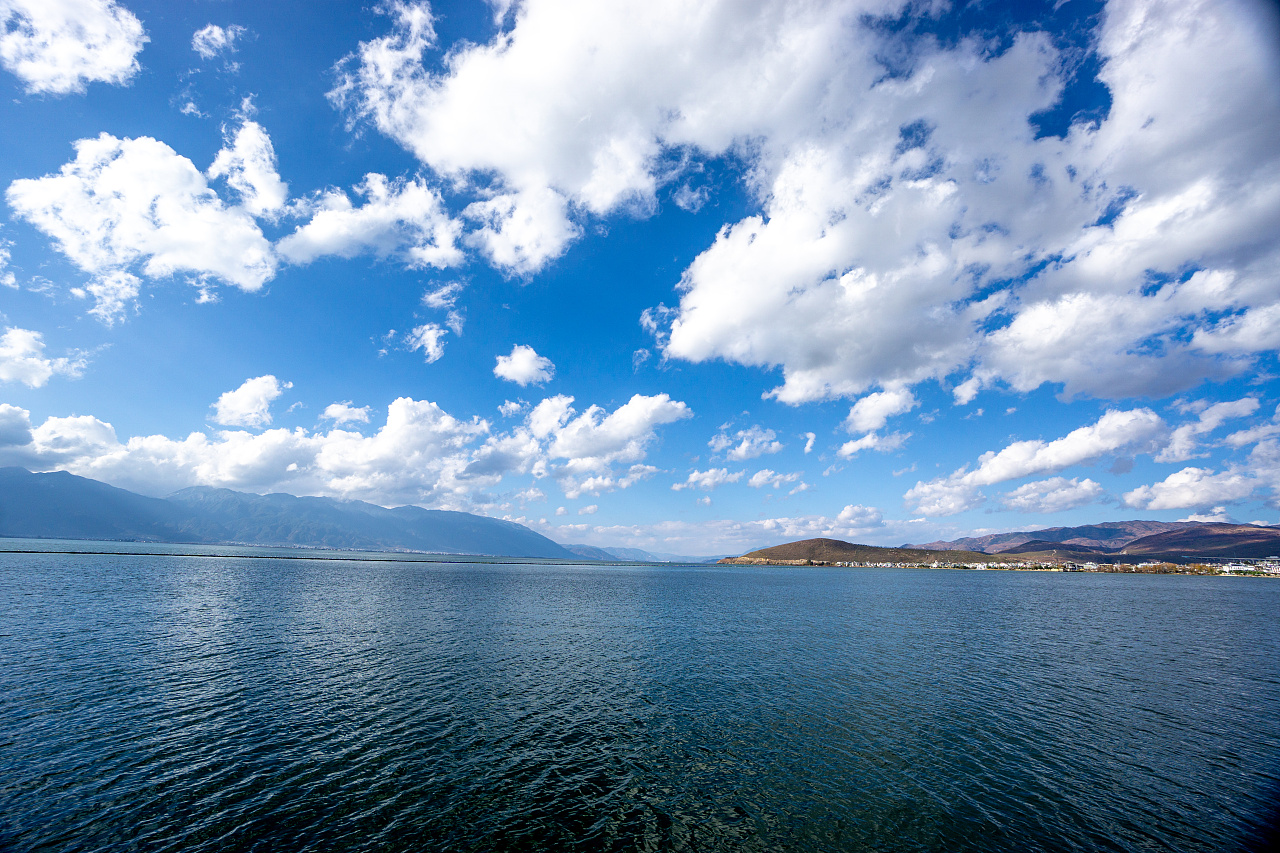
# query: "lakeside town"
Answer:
x=1267 y=567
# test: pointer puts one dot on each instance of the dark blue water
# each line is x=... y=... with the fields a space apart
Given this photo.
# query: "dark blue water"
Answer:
x=207 y=703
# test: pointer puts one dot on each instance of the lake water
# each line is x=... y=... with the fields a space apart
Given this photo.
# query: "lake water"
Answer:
x=194 y=703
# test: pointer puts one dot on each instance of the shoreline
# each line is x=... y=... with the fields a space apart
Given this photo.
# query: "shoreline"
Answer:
x=1160 y=568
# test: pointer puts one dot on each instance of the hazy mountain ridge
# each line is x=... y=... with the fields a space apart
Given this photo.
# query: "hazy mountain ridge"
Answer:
x=1107 y=536
x=63 y=506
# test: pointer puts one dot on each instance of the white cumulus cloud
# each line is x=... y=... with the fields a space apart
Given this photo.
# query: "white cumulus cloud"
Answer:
x=421 y=454
x=58 y=46
x=873 y=411
x=895 y=217
x=250 y=404
x=746 y=443
x=708 y=480
x=415 y=457
x=1053 y=495
x=345 y=413
x=521 y=232
x=772 y=479
x=1192 y=488
x=404 y=219
x=594 y=440
x=1216 y=515
x=136 y=201
x=22 y=359
x=248 y=162
x=524 y=367
x=1136 y=430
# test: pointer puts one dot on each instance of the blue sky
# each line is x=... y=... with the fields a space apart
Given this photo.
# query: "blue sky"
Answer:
x=691 y=277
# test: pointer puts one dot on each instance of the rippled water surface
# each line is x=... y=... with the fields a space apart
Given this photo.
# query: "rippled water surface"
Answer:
x=248 y=703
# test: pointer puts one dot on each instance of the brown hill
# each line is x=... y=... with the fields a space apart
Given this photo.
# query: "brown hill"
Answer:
x=837 y=551
x=1210 y=540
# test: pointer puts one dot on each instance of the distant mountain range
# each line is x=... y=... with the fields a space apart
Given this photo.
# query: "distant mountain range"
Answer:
x=1118 y=539
x=60 y=505
x=1108 y=536
x=1178 y=542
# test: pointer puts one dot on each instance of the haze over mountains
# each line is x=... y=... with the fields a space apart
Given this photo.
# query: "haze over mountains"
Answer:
x=63 y=506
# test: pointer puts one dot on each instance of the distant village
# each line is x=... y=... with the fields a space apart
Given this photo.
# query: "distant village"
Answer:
x=1265 y=567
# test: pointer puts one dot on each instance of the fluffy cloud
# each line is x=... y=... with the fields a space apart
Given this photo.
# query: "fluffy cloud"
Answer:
x=248 y=163
x=873 y=411
x=126 y=204
x=913 y=225
x=429 y=338
x=1193 y=487
x=582 y=452
x=1216 y=515
x=1053 y=495
x=415 y=457
x=211 y=40
x=511 y=408
x=916 y=228
x=1254 y=330
x=524 y=367
x=772 y=479
x=422 y=454
x=58 y=47
x=136 y=201
x=1182 y=443
x=947 y=496
x=22 y=359
x=493 y=115
x=745 y=443
x=598 y=484
x=521 y=232
x=1135 y=430
x=708 y=480
x=345 y=413
x=403 y=219
x=593 y=441
x=250 y=404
